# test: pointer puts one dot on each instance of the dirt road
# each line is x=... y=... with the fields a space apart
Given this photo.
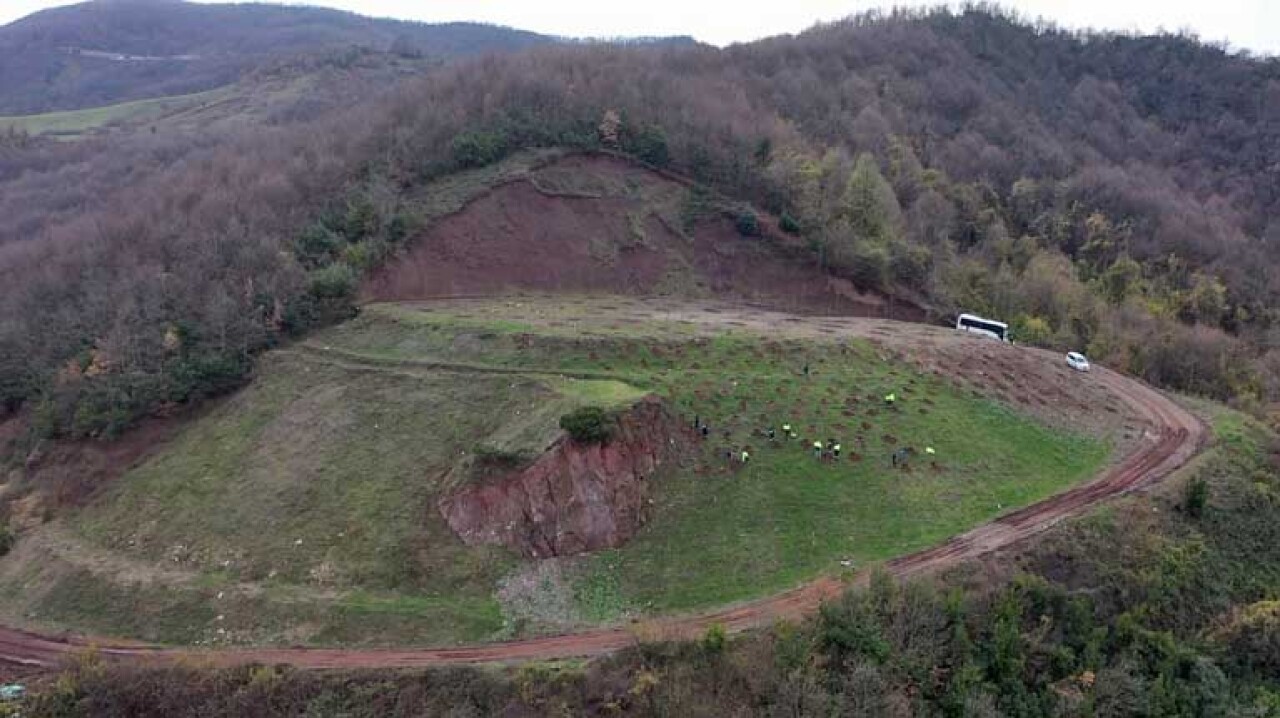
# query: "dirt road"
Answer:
x=1176 y=438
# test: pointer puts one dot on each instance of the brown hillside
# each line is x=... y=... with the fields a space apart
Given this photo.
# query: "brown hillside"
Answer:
x=595 y=223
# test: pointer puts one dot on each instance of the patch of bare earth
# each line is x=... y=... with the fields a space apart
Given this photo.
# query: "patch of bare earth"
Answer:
x=598 y=224
x=53 y=475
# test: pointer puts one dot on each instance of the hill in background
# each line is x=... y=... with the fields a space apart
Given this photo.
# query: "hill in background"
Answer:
x=106 y=52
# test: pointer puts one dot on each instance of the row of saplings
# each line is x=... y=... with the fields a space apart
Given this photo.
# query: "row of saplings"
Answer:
x=593 y=425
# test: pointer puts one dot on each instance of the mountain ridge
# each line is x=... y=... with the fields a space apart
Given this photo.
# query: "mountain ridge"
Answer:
x=99 y=53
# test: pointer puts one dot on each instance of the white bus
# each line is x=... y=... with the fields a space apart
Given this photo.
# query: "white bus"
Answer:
x=985 y=327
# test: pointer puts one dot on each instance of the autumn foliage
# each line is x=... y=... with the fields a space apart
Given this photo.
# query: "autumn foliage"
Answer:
x=1106 y=193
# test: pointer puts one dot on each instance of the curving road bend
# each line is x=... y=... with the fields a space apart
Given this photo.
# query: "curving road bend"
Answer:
x=1176 y=438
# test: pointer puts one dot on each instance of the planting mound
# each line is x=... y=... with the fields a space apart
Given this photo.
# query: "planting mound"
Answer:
x=595 y=223
x=577 y=497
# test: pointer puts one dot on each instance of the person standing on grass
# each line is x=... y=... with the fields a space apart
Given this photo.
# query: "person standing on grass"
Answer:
x=835 y=451
x=902 y=456
x=817 y=449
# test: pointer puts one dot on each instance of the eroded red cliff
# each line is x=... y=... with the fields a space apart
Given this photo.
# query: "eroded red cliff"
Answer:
x=576 y=497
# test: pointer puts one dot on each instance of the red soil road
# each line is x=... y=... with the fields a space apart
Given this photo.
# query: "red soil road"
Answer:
x=1177 y=438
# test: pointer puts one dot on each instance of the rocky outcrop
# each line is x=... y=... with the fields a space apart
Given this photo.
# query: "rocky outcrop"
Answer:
x=575 y=497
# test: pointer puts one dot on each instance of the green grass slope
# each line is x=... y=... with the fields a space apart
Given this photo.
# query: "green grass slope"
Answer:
x=724 y=532
x=73 y=124
x=303 y=508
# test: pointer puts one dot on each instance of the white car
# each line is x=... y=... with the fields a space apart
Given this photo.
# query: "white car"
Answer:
x=1076 y=361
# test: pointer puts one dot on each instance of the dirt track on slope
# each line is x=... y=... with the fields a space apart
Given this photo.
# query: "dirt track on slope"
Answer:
x=1176 y=437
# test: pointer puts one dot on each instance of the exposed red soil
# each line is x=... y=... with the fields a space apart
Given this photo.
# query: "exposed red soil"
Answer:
x=1176 y=437
x=576 y=497
x=70 y=473
x=518 y=237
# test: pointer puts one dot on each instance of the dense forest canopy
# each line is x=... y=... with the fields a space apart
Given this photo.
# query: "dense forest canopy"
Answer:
x=1107 y=193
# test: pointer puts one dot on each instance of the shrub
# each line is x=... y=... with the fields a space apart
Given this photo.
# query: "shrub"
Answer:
x=316 y=245
x=1253 y=638
x=789 y=224
x=495 y=458
x=329 y=298
x=477 y=149
x=848 y=628
x=747 y=223
x=364 y=256
x=713 y=641
x=6 y=541
x=866 y=265
x=399 y=227
x=361 y=219
x=1032 y=330
x=195 y=377
x=909 y=265
x=695 y=204
x=97 y=406
x=648 y=144
x=1197 y=498
x=334 y=282
x=587 y=425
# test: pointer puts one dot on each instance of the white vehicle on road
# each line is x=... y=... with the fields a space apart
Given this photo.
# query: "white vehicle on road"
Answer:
x=986 y=327
x=1076 y=361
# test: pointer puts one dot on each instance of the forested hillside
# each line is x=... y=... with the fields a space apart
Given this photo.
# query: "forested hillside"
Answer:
x=1106 y=193
x=109 y=51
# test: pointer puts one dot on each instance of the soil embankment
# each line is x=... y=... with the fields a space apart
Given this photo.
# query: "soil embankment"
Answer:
x=576 y=497
x=600 y=224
